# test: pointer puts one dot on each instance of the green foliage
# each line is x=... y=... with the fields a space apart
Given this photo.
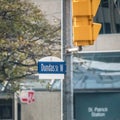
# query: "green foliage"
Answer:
x=25 y=37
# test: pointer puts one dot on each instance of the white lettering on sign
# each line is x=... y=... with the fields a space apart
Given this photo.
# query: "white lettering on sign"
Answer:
x=61 y=67
x=98 y=111
x=51 y=68
x=47 y=67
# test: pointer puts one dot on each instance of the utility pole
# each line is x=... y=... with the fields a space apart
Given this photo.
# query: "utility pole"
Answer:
x=67 y=57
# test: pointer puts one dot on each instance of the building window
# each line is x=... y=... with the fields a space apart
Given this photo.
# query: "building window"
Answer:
x=107 y=28
x=116 y=4
x=118 y=28
x=5 y=109
x=102 y=29
x=104 y=3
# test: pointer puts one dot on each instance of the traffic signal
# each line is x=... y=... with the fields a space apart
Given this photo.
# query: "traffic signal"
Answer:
x=85 y=31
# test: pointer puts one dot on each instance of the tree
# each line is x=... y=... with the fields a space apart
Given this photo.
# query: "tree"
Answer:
x=25 y=37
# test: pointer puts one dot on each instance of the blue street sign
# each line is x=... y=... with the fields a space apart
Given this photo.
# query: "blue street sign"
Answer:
x=51 y=67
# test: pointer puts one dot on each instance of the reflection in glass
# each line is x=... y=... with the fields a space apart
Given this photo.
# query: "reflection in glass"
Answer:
x=97 y=70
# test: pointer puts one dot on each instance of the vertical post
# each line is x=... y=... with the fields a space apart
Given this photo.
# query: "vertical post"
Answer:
x=15 y=107
x=61 y=99
x=67 y=43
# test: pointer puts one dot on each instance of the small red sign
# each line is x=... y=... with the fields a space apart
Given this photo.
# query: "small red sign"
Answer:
x=27 y=96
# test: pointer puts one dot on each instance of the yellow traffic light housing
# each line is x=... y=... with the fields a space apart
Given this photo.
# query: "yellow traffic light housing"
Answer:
x=85 y=32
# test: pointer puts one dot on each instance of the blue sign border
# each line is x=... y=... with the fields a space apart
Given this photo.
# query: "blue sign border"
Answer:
x=51 y=67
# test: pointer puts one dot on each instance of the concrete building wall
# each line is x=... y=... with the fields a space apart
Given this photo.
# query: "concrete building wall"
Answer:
x=47 y=106
x=50 y=8
x=105 y=42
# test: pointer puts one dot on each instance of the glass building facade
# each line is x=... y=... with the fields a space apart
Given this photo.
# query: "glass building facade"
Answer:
x=98 y=70
x=109 y=16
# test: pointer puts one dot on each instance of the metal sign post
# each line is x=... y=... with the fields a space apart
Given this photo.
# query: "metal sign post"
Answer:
x=67 y=57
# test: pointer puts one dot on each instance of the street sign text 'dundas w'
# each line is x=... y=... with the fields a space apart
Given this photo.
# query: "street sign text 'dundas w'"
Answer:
x=51 y=68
